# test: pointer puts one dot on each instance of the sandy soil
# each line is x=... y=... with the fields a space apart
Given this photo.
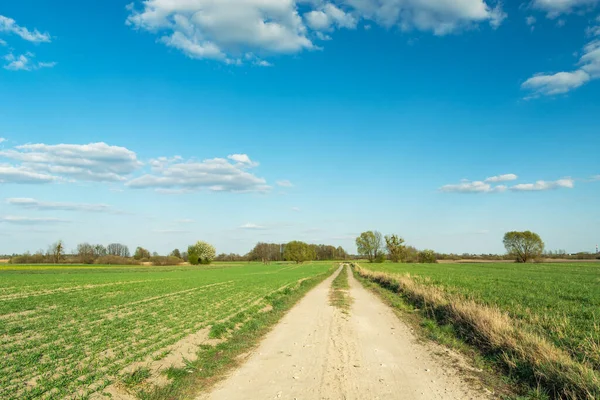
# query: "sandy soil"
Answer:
x=319 y=352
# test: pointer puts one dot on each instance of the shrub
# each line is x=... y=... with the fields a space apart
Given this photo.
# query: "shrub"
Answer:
x=427 y=257
x=168 y=260
x=116 y=260
x=380 y=258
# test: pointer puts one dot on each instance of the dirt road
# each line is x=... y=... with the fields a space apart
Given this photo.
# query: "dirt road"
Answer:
x=319 y=352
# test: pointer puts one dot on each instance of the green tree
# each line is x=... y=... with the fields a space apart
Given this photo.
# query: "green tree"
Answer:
x=298 y=252
x=176 y=253
x=141 y=253
x=201 y=253
x=427 y=257
x=369 y=244
x=523 y=246
x=395 y=247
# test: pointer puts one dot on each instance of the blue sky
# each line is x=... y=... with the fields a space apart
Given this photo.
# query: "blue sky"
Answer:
x=159 y=123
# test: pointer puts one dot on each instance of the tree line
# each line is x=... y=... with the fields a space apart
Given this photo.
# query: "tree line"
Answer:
x=521 y=247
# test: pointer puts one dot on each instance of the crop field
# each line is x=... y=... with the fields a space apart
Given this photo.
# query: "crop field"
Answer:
x=558 y=301
x=70 y=332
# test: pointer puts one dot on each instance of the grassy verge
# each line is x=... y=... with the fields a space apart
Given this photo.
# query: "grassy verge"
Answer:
x=339 y=296
x=214 y=361
x=527 y=357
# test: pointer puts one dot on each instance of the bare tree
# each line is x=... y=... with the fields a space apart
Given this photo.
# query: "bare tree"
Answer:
x=56 y=251
x=117 y=249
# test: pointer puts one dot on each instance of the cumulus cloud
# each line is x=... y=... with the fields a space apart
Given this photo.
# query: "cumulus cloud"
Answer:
x=224 y=30
x=229 y=30
x=2 y=140
x=501 y=178
x=91 y=162
x=565 y=81
x=285 y=183
x=21 y=174
x=57 y=206
x=25 y=62
x=554 y=8
x=11 y=219
x=441 y=17
x=243 y=160
x=9 y=25
x=544 y=185
x=3 y=43
x=216 y=174
x=328 y=17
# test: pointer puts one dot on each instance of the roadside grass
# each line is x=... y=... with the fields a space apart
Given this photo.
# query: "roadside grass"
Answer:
x=339 y=296
x=530 y=359
x=74 y=330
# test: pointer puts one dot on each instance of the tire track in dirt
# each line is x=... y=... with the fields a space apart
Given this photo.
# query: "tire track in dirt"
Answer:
x=319 y=352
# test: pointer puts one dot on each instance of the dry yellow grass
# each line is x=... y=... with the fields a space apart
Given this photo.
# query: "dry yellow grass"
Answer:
x=496 y=332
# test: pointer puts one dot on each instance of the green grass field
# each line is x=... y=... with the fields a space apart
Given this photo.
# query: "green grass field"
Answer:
x=70 y=330
x=558 y=301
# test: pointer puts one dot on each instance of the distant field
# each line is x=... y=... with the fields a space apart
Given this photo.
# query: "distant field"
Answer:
x=71 y=330
x=558 y=301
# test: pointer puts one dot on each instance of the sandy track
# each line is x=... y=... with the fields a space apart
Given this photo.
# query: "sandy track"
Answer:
x=318 y=352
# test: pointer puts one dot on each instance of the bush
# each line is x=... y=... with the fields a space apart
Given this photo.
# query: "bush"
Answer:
x=168 y=260
x=116 y=260
x=427 y=257
x=380 y=258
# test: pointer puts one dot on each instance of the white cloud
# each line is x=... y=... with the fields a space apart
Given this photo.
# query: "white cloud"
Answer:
x=530 y=20
x=2 y=140
x=544 y=185
x=11 y=219
x=229 y=30
x=328 y=17
x=563 y=82
x=3 y=43
x=501 y=178
x=472 y=187
x=217 y=174
x=224 y=30
x=185 y=221
x=554 y=8
x=91 y=162
x=24 y=62
x=441 y=17
x=243 y=160
x=263 y=63
x=9 y=25
x=285 y=183
x=20 y=174
x=54 y=206
x=296 y=209
x=467 y=186
x=251 y=226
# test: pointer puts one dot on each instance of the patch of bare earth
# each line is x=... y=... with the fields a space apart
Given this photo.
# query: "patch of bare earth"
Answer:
x=174 y=356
